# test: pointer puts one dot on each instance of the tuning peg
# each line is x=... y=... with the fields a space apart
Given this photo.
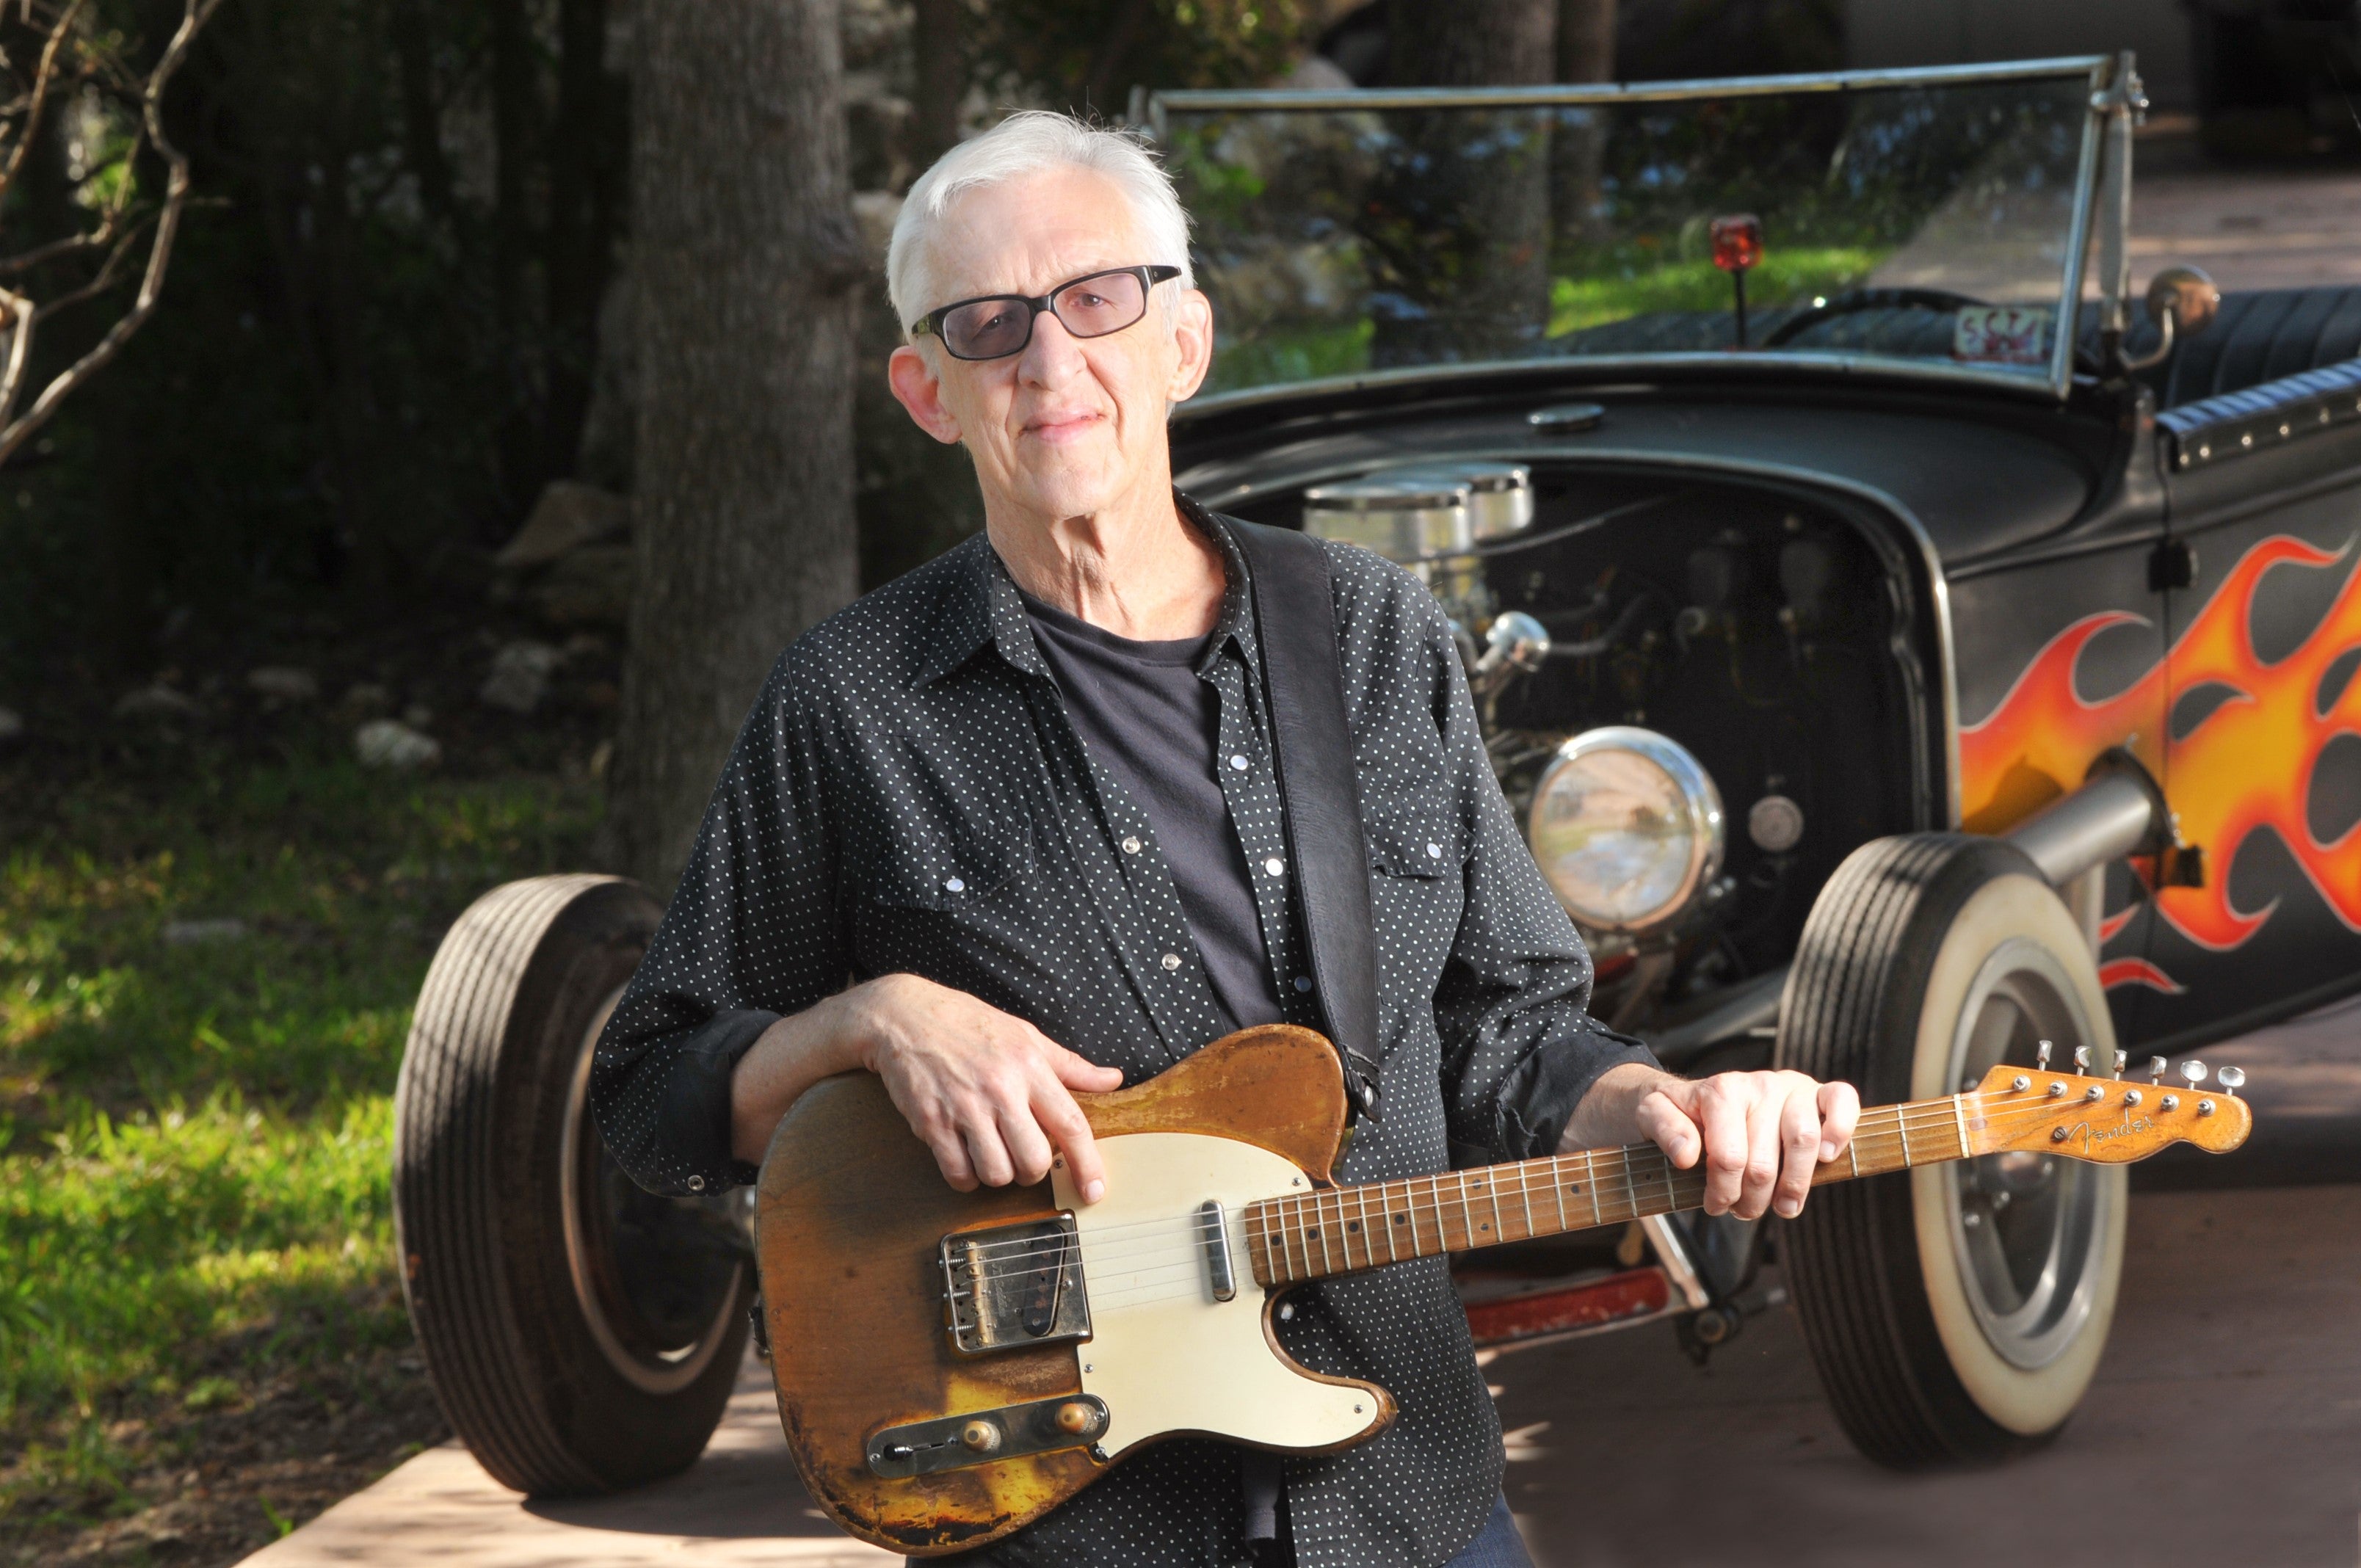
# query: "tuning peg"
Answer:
x=2194 y=1072
x=2232 y=1080
x=2156 y=1065
x=2122 y=1060
x=2082 y=1059
x=2041 y=1057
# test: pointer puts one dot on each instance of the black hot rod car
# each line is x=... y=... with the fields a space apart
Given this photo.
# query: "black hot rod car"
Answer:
x=1908 y=651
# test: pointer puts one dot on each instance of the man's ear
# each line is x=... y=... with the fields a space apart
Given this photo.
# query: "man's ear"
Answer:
x=917 y=388
x=1193 y=332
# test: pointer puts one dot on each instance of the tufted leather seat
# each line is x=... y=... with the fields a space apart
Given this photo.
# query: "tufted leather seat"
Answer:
x=2260 y=335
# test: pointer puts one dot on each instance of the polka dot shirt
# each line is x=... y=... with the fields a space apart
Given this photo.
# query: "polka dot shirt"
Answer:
x=908 y=797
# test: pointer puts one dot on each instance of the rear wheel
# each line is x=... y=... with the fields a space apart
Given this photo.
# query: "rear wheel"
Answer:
x=582 y=1335
x=1959 y=1312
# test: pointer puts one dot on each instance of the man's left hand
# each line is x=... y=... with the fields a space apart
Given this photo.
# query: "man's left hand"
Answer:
x=1761 y=1135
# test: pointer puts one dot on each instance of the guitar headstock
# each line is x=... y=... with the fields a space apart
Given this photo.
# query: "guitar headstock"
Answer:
x=2111 y=1120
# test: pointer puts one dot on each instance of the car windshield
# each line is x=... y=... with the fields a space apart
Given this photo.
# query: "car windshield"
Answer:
x=1934 y=219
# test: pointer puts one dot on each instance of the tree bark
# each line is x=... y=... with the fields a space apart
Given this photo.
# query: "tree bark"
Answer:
x=1463 y=224
x=746 y=260
x=1585 y=52
x=938 y=70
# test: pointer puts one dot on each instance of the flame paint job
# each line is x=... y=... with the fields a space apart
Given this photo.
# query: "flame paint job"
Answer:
x=2245 y=768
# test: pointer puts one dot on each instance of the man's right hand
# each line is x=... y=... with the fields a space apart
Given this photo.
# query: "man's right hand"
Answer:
x=991 y=1094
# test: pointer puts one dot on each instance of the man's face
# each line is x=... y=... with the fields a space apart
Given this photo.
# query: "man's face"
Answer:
x=1068 y=426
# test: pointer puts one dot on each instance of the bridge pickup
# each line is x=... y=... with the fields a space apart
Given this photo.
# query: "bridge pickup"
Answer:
x=1014 y=1286
x=1213 y=1235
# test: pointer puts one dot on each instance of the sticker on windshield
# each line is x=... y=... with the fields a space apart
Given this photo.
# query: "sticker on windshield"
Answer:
x=2002 y=335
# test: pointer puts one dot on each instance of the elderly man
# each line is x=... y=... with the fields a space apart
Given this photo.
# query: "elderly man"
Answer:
x=1008 y=827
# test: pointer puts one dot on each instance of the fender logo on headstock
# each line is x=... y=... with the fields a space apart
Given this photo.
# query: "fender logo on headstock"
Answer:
x=2089 y=1134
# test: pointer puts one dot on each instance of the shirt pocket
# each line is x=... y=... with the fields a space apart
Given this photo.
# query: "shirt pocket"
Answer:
x=1416 y=836
x=950 y=874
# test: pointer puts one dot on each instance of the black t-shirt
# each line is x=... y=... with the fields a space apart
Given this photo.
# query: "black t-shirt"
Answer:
x=1145 y=717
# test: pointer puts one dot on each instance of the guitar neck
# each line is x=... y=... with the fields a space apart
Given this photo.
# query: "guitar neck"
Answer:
x=1347 y=1230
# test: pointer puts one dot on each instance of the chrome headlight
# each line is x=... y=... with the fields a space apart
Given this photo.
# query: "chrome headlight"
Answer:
x=1627 y=826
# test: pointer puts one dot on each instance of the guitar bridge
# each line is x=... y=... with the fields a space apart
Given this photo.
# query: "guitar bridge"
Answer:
x=1014 y=1286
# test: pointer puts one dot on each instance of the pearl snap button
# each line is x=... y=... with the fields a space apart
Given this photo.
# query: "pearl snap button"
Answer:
x=954 y=885
x=1434 y=852
x=1131 y=846
x=1274 y=865
x=697 y=1184
x=1303 y=983
x=1172 y=962
x=1239 y=762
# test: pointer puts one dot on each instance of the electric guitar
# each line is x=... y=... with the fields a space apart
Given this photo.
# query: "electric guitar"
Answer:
x=952 y=1366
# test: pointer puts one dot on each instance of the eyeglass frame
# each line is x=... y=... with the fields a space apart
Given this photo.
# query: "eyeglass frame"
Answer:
x=931 y=323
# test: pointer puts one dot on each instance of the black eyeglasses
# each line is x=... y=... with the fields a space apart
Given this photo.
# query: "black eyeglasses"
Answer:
x=998 y=325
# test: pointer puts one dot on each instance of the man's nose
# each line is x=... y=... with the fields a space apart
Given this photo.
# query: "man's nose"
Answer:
x=1054 y=355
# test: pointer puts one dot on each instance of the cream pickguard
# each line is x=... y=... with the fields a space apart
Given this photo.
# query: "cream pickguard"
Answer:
x=1164 y=1354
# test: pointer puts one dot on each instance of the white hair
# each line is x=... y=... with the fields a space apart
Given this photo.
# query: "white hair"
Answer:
x=1032 y=142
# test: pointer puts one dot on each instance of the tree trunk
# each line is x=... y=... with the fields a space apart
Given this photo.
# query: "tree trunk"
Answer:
x=938 y=70
x=1461 y=223
x=745 y=261
x=1585 y=52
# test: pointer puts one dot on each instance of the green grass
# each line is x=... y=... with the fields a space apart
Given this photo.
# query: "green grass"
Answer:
x=194 y=1138
x=1633 y=287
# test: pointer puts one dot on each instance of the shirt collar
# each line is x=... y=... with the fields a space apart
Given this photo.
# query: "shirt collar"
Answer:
x=981 y=606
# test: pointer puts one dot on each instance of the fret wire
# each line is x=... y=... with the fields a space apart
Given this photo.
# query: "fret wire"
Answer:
x=1590 y=1179
x=1410 y=1208
x=1557 y=1190
x=1327 y=1263
x=1340 y=1226
x=1492 y=1187
x=1284 y=1243
x=1629 y=1191
x=1525 y=1192
x=1361 y=1208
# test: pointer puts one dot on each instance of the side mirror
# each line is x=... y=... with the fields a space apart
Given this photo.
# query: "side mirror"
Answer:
x=2182 y=302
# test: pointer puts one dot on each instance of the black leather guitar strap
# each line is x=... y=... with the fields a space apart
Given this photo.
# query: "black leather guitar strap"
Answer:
x=1303 y=678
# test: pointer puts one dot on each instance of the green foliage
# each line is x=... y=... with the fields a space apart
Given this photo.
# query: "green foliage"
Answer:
x=195 y=1161
x=1635 y=283
x=1087 y=54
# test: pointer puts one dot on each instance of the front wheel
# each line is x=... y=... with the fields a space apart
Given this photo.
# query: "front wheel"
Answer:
x=582 y=1335
x=1959 y=1314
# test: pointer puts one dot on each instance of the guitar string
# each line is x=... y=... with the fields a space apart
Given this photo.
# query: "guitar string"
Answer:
x=1914 y=1118
x=1918 y=1117
x=1140 y=1290
x=1927 y=1116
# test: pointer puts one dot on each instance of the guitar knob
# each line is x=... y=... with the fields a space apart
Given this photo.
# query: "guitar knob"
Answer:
x=1076 y=1417
x=980 y=1437
x=2232 y=1080
x=2156 y=1065
x=2194 y=1072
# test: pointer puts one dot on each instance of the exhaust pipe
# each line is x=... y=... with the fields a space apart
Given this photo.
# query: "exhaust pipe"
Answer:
x=2119 y=811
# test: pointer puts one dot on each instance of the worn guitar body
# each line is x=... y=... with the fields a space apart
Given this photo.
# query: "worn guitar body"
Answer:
x=852 y=1215
x=951 y=1366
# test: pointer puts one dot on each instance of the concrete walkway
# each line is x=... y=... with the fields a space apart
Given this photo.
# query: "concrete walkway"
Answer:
x=2225 y=1428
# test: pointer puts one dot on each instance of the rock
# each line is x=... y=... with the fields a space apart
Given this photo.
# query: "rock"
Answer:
x=590 y=588
x=387 y=743
x=158 y=701
x=519 y=677
x=283 y=683
x=194 y=933
x=12 y=726
x=569 y=515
